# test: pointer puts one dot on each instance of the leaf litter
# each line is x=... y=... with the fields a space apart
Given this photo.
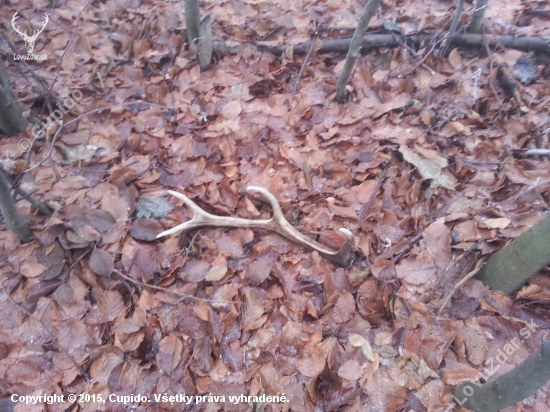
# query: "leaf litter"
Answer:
x=254 y=313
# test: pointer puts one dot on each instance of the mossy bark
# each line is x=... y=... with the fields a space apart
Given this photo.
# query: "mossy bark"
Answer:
x=15 y=221
x=512 y=387
x=12 y=119
x=508 y=269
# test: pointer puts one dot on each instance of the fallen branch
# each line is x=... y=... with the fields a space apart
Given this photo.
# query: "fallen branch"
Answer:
x=304 y=63
x=373 y=41
x=277 y=224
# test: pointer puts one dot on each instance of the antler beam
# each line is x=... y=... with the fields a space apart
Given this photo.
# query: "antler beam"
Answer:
x=277 y=224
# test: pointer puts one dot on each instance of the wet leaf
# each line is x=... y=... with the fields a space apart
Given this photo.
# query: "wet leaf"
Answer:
x=102 y=263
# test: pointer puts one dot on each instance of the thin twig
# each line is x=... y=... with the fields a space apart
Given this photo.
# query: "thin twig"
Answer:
x=67 y=47
x=54 y=341
x=407 y=72
x=172 y=292
x=49 y=151
x=454 y=25
x=367 y=207
x=98 y=110
x=491 y=83
x=409 y=246
x=511 y=198
x=469 y=275
x=304 y=63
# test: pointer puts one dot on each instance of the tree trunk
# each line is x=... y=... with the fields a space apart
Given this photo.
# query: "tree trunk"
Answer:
x=11 y=116
x=508 y=269
x=15 y=221
x=510 y=388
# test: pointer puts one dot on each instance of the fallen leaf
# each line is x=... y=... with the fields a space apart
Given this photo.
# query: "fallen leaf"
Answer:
x=360 y=342
x=102 y=263
x=430 y=169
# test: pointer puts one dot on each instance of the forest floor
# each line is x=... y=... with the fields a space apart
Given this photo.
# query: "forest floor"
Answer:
x=425 y=164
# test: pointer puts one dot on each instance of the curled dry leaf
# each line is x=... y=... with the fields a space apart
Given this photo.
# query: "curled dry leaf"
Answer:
x=497 y=223
x=216 y=273
x=430 y=168
x=101 y=219
x=145 y=229
x=360 y=342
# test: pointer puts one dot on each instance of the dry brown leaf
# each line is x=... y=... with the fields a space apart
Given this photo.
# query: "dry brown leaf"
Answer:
x=102 y=263
x=216 y=273
x=350 y=370
x=430 y=169
x=366 y=348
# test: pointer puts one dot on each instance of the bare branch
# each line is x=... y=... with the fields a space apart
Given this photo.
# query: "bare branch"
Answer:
x=354 y=49
x=373 y=41
x=277 y=224
x=192 y=19
x=469 y=275
x=304 y=63
x=454 y=25
x=479 y=14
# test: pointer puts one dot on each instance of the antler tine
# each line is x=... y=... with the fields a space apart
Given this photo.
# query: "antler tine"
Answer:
x=202 y=218
x=277 y=224
x=197 y=214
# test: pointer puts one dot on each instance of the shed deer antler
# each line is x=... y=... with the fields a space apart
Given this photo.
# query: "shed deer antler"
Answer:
x=277 y=224
x=29 y=40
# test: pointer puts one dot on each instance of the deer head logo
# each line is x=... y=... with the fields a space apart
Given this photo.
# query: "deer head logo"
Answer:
x=29 y=40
